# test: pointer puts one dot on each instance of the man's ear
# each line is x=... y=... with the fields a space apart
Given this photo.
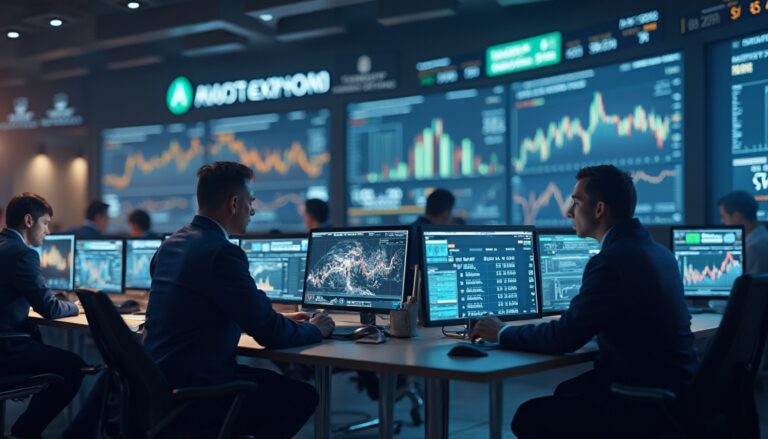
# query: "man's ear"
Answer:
x=600 y=210
x=28 y=221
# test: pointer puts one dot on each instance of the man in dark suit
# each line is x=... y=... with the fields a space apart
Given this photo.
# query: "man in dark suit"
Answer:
x=631 y=298
x=203 y=297
x=21 y=285
x=96 y=221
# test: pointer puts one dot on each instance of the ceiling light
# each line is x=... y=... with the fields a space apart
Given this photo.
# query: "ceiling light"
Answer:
x=133 y=5
x=13 y=34
x=266 y=17
x=55 y=22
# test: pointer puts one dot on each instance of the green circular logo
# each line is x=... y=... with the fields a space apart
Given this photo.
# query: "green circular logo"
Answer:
x=179 y=96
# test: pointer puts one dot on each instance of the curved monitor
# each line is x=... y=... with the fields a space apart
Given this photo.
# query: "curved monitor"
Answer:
x=471 y=271
x=360 y=269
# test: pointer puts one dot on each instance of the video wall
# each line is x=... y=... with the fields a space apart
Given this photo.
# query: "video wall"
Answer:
x=154 y=167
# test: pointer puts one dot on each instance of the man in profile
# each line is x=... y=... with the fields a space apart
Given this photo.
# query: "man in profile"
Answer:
x=22 y=285
x=740 y=209
x=96 y=221
x=316 y=213
x=203 y=297
x=631 y=298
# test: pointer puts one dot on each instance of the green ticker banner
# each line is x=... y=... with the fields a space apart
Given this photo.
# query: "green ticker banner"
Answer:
x=530 y=53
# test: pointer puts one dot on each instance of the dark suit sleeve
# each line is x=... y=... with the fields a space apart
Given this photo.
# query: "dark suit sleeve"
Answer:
x=236 y=293
x=30 y=281
x=596 y=305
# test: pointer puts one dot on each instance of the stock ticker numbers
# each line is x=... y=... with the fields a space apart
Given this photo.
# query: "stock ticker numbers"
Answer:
x=723 y=13
x=627 y=114
x=398 y=150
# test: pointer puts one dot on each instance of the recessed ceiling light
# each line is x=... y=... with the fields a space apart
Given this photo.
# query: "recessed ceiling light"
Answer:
x=13 y=34
x=55 y=22
x=133 y=5
x=266 y=17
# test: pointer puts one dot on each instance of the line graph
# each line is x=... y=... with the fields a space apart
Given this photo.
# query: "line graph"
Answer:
x=706 y=272
x=175 y=155
x=569 y=128
x=266 y=160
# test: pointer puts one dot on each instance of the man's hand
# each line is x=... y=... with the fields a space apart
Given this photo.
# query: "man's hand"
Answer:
x=324 y=323
x=298 y=317
x=487 y=328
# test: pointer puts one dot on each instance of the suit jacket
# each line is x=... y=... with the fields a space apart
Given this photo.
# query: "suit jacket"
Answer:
x=631 y=298
x=202 y=298
x=87 y=230
x=22 y=285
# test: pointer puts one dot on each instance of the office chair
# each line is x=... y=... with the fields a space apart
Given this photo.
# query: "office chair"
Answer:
x=721 y=401
x=147 y=404
x=19 y=387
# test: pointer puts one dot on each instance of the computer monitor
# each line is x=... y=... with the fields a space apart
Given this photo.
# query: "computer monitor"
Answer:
x=710 y=259
x=56 y=262
x=562 y=257
x=277 y=264
x=360 y=269
x=470 y=271
x=99 y=264
x=138 y=254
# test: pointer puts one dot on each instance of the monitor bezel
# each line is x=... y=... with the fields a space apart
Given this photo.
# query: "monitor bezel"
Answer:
x=407 y=275
x=125 y=262
x=710 y=227
x=272 y=237
x=553 y=232
x=73 y=239
x=122 y=274
x=428 y=322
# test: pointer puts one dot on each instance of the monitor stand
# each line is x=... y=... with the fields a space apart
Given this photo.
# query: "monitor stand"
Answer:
x=368 y=318
x=699 y=306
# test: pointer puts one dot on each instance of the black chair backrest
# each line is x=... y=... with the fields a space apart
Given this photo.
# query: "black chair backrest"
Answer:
x=723 y=388
x=145 y=393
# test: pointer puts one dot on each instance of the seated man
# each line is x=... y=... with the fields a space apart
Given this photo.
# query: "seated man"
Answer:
x=740 y=209
x=203 y=297
x=21 y=285
x=316 y=214
x=96 y=221
x=631 y=298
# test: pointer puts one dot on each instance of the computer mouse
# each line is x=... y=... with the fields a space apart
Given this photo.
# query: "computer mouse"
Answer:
x=466 y=350
x=375 y=338
x=363 y=331
x=127 y=307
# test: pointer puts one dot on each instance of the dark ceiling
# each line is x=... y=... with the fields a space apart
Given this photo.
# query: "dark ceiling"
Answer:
x=99 y=35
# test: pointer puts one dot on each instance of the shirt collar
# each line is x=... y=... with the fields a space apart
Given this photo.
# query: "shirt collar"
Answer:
x=226 y=235
x=605 y=236
x=17 y=233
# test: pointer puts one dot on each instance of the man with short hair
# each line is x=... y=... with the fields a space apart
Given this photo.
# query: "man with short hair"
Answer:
x=439 y=208
x=96 y=221
x=22 y=285
x=203 y=298
x=140 y=224
x=740 y=209
x=316 y=213
x=631 y=298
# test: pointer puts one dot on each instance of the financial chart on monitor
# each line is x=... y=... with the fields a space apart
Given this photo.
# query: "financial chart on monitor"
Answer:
x=471 y=273
x=399 y=150
x=710 y=260
x=563 y=259
x=56 y=261
x=748 y=68
x=629 y=115
x=277 y=266
x=152 y=168
x=138 y=256
x=356 y=269
x=290 y=156
x=99 y=265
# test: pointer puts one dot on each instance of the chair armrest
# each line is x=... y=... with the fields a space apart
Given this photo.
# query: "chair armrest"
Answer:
x=228 y=389
x=649 y=394
x=14 y=336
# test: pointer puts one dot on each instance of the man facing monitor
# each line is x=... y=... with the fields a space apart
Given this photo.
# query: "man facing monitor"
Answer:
x=203 y=297
x=316 y=213
x=22 y=285
x=740 y=209
x=631 y=298
x=96 y=221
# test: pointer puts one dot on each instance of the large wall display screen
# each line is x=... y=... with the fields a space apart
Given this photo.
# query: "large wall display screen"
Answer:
x=628 y=114
x=399 y=150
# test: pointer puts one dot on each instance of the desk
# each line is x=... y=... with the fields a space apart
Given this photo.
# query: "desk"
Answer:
x=424 y=355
